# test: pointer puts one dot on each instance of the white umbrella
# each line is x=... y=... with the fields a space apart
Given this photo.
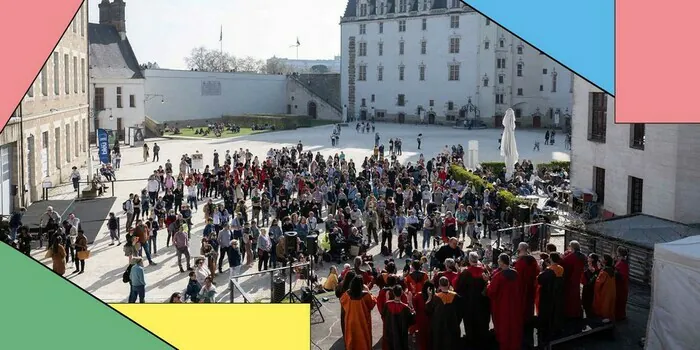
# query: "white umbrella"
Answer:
x=509 y=148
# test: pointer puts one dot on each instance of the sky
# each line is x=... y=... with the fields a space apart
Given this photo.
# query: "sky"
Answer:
x=165 y=31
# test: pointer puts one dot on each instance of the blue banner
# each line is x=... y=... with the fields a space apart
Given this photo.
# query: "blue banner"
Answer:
x=103 y=145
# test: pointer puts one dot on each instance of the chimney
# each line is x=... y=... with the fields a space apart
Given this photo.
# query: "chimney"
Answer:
x=115 y=15
x=105 y=12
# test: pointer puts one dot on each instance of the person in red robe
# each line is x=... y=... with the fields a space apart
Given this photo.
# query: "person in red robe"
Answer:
x=385 y=296
x=421 y=327
x=588 y=279
x=416 y=278
x=476 y=314
x=506 y=305
x=605 y=290
x=357 y=304
x=451 y=273
x=398 y=317
x=622 y=286
x=528 y=270
x=574 y=263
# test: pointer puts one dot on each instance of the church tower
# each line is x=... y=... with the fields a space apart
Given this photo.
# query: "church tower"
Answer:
x=118 y=16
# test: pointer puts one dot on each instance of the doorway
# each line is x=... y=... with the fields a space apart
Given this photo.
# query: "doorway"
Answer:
x=5 y=181
x=289 y=109
x=120 y=127
x=431 y=118
x=312 y=110
x=402 y=118
x=536 y=121
x=498 y=121
x=363 y=114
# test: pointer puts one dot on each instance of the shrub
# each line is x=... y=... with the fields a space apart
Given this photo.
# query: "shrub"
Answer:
x=494 y=167
x=460 y=174
x=509 y=200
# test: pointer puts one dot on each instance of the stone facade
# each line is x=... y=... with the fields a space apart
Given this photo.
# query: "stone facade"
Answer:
x=48 y=133
x=665 y=157
x=303 y=100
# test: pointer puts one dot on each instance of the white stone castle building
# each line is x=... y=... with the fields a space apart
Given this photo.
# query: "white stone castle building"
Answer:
x=440 y=60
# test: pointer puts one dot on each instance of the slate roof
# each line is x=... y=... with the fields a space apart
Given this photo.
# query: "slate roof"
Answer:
x=351 y=9
x=643 y=230
x=439 y=4
x=111 y=57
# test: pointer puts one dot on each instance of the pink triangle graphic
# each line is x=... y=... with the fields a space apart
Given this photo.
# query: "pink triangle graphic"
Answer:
x=31 y=29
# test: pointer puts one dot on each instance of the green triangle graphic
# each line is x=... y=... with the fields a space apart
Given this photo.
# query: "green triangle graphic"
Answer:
x=42 y=310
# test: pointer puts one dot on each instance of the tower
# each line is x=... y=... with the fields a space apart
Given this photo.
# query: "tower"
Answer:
x=105 y=16
x=118 y=15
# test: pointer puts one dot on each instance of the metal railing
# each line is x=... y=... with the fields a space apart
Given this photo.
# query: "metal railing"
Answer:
x=235 y=284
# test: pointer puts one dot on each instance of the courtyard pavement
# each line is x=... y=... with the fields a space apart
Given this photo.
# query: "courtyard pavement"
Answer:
x=104 y=269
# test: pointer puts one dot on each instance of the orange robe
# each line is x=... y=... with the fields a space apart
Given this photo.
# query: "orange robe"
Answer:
x=605 y=294
x=59 y=260
x=358 y=321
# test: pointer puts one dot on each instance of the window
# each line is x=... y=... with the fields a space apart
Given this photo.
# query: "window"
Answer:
x=82 y=74
x=76 y=138
x=455 y=3
x=380 y=73
x=501 y=63
x=364 y=103
x=401 y=47
x=518 y=113
x=636 y=191
x=520 y=91
x=44 y=81
x=502 y=43
x=380 y=49
x=432 y=103
x=554 y=81
x=381 y=8
x=499 y=99
x=30 y=91
x=488 y=22
x=424 y=24
x=599 y=183
x=541 y=87
x=454 y=22
x=450 y=106
x=75 y=74
x=423 y=47
x=454 y=72
x=425 y=5
x=520 y=70
x=99 y=99
x=363 y=9
x=57 y=146
x=402 y=6
x=372 y=98
x=486 y=45
x=421 y=73
x=486 y=81
x=544 y=71
x=362 y=49
x=74 y=24
x=362 y=73
x=67 y=142
x=82 y=22
x=119 y=97
x=381 y=27
x=637 y=136
x=66 y=73
x=598 y=116
x=401 y=100
x=363 y=29
x=402 y=70
x=520 y=50
x=454 y=45
x=132 y=101
x=402 y=26
x=56 y=73
x=501 y=78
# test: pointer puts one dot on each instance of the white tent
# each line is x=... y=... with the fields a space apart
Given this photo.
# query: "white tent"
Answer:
x=675 y=296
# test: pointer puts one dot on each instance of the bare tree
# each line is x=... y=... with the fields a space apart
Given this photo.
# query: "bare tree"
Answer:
x=275 y=65
x=206 y=60
x=249 y=65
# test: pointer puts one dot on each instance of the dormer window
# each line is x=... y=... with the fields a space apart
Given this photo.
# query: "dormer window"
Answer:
x=485 y=79
x=520 y=49
x=363 y=10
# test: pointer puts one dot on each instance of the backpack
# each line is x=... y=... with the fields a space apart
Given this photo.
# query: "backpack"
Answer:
x=126 y=277
x=124 y=207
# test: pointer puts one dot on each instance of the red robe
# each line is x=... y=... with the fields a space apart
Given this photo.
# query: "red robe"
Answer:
x=422 y=325
x=506 y=309
x=528 y=270
x=574 y=263
x=381 y=302
x=415 y=281
x=621 y=289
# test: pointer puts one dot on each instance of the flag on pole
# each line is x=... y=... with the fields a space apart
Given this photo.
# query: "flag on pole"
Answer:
x=221 y=34
x=298 y=41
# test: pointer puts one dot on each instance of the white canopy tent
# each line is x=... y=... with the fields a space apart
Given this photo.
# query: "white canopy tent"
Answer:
x=675 y=296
